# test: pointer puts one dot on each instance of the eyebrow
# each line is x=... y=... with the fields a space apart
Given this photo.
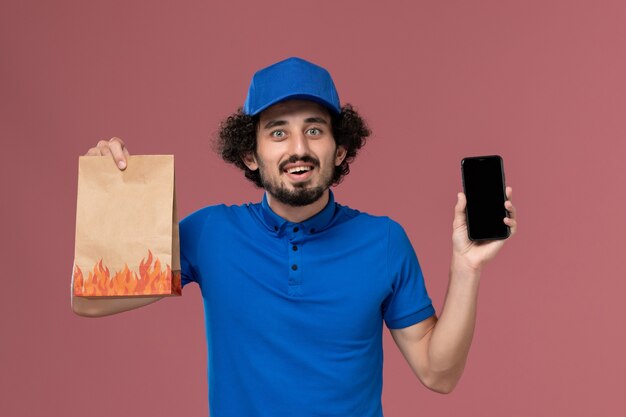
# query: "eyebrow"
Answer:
x=273 y=123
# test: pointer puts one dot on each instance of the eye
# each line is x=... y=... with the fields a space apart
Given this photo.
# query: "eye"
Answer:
x=314 y=131
x=279 y=134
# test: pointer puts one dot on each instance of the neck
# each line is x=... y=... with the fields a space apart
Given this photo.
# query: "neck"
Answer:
x=297 y=214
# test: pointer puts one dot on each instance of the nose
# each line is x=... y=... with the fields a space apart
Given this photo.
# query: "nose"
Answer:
x=299 y=144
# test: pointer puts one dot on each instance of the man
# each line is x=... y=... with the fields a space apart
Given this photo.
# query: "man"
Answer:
x=296 y=288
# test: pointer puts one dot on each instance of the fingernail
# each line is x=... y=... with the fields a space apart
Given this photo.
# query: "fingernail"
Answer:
x=121 y=164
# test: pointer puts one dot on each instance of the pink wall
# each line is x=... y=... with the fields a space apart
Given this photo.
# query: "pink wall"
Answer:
x=539 y=82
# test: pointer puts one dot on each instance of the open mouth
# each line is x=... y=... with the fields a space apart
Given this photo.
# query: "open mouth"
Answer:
x=299 y=172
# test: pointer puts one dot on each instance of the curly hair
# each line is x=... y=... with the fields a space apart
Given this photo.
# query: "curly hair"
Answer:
x=237 y=137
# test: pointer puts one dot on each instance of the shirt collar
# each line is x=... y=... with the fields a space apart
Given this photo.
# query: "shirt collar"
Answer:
x=313 y=224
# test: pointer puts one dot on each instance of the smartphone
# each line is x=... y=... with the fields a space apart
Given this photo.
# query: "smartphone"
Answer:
x=484 y=188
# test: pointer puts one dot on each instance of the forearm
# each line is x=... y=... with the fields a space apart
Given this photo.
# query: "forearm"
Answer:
x=452 y=335
x=98 y=307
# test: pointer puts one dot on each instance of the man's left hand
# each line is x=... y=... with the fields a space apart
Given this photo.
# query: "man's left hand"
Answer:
x=476 y=254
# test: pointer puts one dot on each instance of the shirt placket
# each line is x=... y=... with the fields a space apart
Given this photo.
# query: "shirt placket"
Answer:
x=294 y=248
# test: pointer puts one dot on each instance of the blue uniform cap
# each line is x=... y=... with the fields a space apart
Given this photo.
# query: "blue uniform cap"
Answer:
x=292 y=78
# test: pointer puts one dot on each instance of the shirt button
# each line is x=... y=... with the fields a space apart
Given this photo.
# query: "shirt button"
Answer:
x=295 y=229
x=276 y=228
x=294 y=247
x=294 y=267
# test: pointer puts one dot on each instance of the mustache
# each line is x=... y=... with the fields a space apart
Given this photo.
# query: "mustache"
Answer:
x=295 y=158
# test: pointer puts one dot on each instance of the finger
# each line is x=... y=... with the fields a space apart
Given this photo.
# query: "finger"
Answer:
x=510 y=208
x=103 y=147
x=459 y=210
x=118 y=153
x=93 y=152
x=509 y=192
x=512 y=223
x=116 y=139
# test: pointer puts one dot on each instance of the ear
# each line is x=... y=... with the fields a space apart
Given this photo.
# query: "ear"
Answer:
x=250 y=160
x=340 y=155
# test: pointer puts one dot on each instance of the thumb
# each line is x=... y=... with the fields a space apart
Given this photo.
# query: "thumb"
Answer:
x=460 y=203
x=459 y=211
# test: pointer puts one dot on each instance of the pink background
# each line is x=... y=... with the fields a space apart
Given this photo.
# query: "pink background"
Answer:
x=539 y=82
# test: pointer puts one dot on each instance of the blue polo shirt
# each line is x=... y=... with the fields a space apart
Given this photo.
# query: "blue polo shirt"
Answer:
x=294 y=311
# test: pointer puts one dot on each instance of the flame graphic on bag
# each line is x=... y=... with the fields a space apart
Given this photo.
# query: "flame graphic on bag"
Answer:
x=151 y=280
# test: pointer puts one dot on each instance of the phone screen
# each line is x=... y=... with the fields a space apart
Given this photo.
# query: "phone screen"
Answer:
x=483 y=184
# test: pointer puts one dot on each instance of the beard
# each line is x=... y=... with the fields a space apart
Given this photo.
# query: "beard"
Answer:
x=301 y=195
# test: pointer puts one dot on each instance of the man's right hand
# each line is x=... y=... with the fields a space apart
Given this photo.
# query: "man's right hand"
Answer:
x=114 y=147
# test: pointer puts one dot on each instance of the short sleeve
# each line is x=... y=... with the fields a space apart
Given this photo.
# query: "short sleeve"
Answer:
x=190 y=230
x=409 y=302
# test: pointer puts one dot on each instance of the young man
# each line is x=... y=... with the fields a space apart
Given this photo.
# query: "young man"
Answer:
x=296 y=288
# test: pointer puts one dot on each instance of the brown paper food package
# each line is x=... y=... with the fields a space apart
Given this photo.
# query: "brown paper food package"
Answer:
x=126 y=228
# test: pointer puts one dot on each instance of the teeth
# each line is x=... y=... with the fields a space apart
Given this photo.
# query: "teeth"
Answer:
x=298 y=169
